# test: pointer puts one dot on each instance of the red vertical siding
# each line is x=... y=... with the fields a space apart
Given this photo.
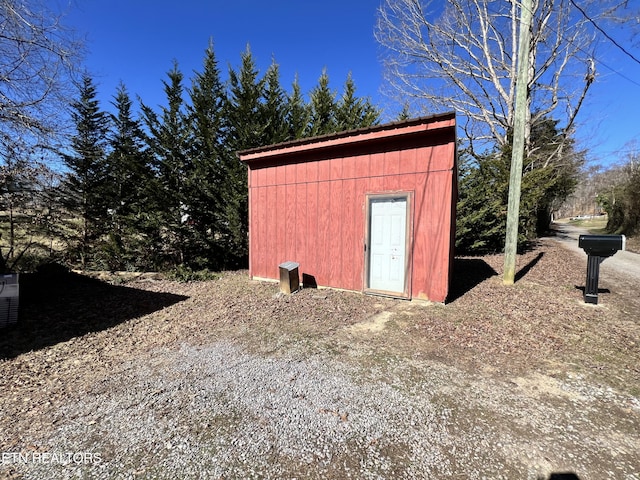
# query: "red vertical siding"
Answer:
x=349 y=166
x=431 y=250
x=252 y=214
x=312 y=171
x=421 y=249
x=270 y=176
x=309 y=206
x=336 y=226
x=323 y=232
x=290 y=211
x=324 y=171
x=376 y=172
x=280 y=175
x=272 y=232
x=408 y=161
x=335 y=172
x=281 y=225
x=391 y=163
x=348 y=237
x=361 y=166
x=289 y=174
x=312 y=232
x=362 y=187
x=376 y=164
x=302 y=216
x=259 y=224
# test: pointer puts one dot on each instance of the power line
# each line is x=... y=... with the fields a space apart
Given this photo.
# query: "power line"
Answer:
x=609 y=37
x=628 y=79
x=598 y=60
x=590 y=55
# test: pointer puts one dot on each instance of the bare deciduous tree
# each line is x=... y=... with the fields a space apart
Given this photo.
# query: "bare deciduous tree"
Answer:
x=38 y=58
x=463 y=57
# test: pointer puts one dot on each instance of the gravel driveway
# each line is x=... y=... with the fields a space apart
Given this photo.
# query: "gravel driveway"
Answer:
x=227 y=379
x=220 y=412
x=627 y=263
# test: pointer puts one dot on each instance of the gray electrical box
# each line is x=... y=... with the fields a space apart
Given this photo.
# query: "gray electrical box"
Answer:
x=289 y=277
x=9 y=295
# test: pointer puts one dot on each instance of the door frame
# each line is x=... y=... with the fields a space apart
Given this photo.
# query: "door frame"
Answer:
x=408 y=197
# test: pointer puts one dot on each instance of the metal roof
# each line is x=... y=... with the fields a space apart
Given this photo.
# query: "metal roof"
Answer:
x=332 y=139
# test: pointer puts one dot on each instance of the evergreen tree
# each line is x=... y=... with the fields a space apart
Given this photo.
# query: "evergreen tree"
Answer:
x=246 y=130
x=298 y=115
x=404 y=113
x=175 y=193
x=208 y=121
x=323 y=107
x=84 y=186
x=129 y=187
x=353 y=112
x=484 y=186
x=274 y=108
x=168 y=139
x=548 y=177
x=482 y=200
x=246 y=95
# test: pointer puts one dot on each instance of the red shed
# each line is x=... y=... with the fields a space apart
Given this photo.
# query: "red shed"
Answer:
x=370 y=210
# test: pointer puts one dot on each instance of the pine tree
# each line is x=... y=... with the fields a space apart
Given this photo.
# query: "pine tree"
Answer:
x=129 y=187
x=208 y=121
x=484 y=185
x=84 y=185
x=323 y=107
x=168 y=139
x=246 y=94
x=353 y=112
x=298 y=115
x=246 y=130
x=274 y=108
x=481 y=211
x=405 y=113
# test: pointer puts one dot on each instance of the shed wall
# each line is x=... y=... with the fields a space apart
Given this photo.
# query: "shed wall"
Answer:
x=310 y=208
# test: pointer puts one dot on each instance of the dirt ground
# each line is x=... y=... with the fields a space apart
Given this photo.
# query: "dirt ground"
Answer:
x=533 y=347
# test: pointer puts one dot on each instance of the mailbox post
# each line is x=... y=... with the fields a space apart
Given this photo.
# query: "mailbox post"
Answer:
x=598 y=248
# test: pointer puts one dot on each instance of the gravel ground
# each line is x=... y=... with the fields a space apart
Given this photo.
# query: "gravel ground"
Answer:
x=226 y=379
x=220 y=412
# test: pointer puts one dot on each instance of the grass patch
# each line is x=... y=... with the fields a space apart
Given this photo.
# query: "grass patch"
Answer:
x=185 y=274
x=596 y=224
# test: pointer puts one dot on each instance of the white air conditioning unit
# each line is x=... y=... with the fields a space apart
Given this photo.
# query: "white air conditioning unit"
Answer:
x=9 y=294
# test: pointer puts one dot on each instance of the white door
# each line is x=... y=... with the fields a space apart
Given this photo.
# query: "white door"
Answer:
x=387 y=244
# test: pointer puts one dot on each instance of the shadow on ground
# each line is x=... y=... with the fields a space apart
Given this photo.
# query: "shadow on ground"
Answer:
x=57 y=306
x=561 y=233
x=467 y=274
x=524 y=270
x=470 y=272
x=561 y=476
x=582 y=288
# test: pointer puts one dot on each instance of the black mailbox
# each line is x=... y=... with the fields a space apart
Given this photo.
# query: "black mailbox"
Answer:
x=598 y=247
x=601 y=245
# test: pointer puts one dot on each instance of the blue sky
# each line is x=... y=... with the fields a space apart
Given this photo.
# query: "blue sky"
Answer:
x=136 y=41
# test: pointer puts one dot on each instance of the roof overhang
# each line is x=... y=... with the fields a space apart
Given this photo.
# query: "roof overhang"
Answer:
x=395 y=131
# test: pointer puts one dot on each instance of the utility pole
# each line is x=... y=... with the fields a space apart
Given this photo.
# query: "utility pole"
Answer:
x=519 y=124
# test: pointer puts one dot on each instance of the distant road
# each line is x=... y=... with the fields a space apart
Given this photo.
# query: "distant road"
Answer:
x=623 y=262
